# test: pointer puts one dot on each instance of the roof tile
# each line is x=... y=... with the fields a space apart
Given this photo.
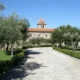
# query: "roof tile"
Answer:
x=40 y=30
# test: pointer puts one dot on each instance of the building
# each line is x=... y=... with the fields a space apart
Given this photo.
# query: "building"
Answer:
x=41 y=31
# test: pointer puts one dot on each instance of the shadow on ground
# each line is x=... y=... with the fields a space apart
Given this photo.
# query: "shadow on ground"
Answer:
x=31 y=52
x=31 y=66
x=21 y=71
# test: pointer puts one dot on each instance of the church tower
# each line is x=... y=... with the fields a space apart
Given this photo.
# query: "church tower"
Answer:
x=41 y=23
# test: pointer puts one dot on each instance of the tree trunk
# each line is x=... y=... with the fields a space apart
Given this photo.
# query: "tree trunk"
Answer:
x=74 y=46
x=12 y=50
x=7 y=48
x=23 y=43
x=60 y=45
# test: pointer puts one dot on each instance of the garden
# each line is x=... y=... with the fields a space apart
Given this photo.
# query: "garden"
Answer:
x=14 y=31
x=66 y=39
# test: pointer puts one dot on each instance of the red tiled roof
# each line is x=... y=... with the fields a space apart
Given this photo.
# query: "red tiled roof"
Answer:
x=40 y=30
x=41 y=21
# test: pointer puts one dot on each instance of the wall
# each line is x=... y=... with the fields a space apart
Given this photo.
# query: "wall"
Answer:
x=44 y=35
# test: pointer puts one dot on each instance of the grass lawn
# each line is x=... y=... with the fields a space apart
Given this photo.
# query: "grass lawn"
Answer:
x=4 y=57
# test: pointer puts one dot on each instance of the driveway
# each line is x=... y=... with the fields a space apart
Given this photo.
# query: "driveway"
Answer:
x=46 y=64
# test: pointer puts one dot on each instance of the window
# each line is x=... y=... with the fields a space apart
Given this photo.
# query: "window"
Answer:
x=46 y=35
x=42 y=26
x=38 y=35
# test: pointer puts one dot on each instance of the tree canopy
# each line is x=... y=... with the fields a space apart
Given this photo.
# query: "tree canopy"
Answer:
x=67 y=34
x=11 y=30
x=2 y=7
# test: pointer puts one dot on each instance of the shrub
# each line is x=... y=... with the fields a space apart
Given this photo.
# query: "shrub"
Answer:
x=26 y=47
x=7 y=65
x=17 y=59
x=16 y=51
x=66 y=47
x=68 y=52
x=45 y=45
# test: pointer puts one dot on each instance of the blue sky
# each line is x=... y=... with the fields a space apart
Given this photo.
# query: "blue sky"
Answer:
x=54 y=12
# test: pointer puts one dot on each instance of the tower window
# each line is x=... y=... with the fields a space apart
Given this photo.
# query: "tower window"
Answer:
x=42 y=26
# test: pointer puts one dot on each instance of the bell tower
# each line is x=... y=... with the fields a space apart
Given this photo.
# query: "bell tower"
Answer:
x=41 y=24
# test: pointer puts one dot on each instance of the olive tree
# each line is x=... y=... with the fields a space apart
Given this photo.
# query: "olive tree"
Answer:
x=24 y=29
x=10 y=31
x=67 y=34
x=57 y=36
x=73 y=37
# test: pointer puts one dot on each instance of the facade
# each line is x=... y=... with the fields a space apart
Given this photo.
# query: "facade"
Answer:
x=41 y=31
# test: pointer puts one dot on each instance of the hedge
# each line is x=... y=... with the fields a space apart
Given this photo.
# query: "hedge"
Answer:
x=68 y=52
x=26 y=47
x=9 y=64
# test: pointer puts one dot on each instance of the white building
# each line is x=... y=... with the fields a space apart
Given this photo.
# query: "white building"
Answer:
x=41 y=31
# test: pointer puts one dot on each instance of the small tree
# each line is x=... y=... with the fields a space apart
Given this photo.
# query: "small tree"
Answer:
x=57 y=36
x=73 y=37
x=2 y=28
x=11 y=31
x=33 y=41
x=14 y=30
x=24 y=29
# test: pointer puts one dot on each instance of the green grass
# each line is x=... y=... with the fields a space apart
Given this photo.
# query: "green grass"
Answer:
x=4 y=57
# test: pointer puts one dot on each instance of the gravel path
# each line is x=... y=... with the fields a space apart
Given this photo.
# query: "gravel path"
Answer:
x=53 y=65
x=47 y=64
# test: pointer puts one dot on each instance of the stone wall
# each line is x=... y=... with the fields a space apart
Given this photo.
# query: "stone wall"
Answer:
x=44 y=35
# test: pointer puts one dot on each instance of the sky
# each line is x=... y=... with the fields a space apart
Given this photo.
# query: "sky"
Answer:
x=54 y=12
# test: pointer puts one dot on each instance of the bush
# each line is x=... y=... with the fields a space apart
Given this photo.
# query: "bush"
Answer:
x=16 y=51
x=66 y=47
x=7 y=65
x=45 y=45
x=26 y=47
x=68 y=52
